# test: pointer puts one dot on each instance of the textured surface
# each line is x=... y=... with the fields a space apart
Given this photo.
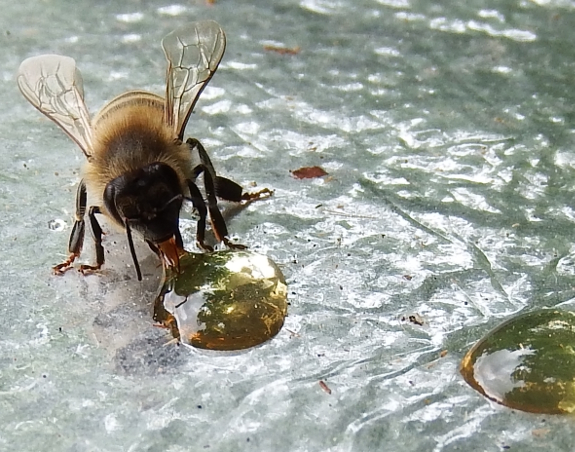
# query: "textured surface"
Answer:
x=447 y=132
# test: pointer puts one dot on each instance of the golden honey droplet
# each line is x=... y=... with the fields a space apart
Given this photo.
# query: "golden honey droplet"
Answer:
x=527 y=363
x=228 y=300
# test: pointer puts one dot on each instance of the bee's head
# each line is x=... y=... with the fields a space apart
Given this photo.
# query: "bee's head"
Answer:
x=148 y=201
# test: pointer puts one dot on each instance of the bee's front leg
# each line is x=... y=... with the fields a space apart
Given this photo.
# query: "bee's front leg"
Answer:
x=97 y=235
x=200 y=206
x=217 y=221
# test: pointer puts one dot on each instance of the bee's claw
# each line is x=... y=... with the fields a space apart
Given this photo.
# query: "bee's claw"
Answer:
x=89 y=269
x=204 y=247
x=254 y=196
x=62 y=268
x=234 y=246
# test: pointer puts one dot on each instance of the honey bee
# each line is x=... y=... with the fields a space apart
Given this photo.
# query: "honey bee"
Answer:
x=139 y=170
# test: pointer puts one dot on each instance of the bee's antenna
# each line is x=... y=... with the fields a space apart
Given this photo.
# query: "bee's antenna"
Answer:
x=132 y=250
x=174 y=199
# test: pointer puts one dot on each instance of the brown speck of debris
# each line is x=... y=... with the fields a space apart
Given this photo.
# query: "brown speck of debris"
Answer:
x=283 y=50
x=309 y=172
x=443 y=353
x=324 y=386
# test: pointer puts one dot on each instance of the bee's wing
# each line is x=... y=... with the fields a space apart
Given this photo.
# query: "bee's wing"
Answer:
x=54 y=86
x=193 y=53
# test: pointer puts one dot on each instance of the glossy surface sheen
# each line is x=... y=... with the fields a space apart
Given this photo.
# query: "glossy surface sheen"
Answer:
x=527 y=363
x=228 y=300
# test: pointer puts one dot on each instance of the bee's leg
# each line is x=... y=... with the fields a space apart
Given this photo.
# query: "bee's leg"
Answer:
x=200 y=206
x=78 y=230
x=97 y=235
x=216 y=219
x=225 y=188
x=231 y=191
x=199 y=154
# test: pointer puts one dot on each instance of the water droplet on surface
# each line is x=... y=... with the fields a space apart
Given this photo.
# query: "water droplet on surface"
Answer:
x=227 y=300
x=527 y=363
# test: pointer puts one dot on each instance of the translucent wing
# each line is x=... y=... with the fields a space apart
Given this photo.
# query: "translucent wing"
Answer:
x=54 y=86
x=193 y=53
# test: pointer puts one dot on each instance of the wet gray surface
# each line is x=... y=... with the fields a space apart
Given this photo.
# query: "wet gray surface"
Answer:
x=447 y=132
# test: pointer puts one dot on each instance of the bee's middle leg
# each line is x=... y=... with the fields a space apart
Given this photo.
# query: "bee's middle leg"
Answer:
x=76 y=240
x=229 y=190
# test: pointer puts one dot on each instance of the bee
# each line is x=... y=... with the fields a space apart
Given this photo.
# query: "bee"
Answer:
x=139 y=171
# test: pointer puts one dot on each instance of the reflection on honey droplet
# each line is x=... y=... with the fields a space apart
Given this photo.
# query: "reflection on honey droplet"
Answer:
x=527 y=363
x=229 y=300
